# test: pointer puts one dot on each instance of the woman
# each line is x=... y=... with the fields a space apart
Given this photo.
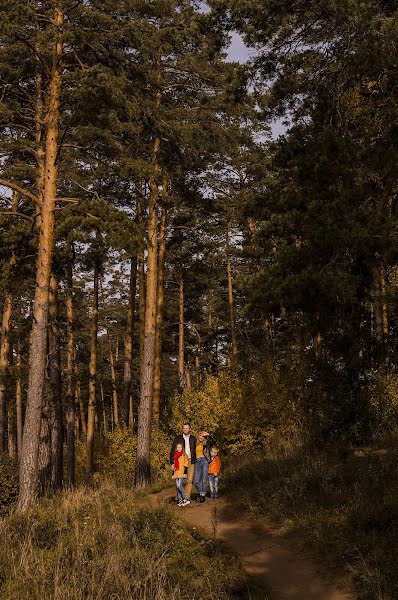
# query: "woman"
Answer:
x=203 y=459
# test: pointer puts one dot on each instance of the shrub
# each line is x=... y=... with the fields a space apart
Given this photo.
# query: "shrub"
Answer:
x=114 y=457
x=8 y=484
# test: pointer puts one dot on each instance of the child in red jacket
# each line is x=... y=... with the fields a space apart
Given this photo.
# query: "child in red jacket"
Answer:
x=214 y=470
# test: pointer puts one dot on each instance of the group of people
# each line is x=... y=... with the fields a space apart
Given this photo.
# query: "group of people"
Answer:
x=194 y=462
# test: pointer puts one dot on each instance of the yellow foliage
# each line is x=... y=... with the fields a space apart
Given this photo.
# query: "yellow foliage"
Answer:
x=243 y=413
x=114 y=457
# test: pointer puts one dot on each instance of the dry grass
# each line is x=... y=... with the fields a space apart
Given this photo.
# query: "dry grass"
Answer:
x=107 y=544
x=344 y=510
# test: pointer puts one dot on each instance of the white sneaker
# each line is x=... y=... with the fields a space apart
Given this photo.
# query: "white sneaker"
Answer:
x=186 y=502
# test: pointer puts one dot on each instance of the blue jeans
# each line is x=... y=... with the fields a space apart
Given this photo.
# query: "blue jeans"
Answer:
x=200 y=479
x=180 y=489
x=213 y=483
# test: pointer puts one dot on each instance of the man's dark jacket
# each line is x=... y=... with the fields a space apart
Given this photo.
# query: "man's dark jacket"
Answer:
x=179 y=439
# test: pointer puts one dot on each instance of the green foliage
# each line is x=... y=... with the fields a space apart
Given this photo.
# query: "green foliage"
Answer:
x=344 y=511
x=9 y=486
x=109 y=543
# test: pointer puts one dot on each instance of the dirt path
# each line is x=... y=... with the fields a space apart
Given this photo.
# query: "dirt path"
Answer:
x=268 y=558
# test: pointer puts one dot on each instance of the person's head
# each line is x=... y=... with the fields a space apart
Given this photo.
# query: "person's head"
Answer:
x=179 y=448
x=203 y=435
x=214 y=451
x=186 y=428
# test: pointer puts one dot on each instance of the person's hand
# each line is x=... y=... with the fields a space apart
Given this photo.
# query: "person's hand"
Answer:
x=173 y=467
x=184 y=476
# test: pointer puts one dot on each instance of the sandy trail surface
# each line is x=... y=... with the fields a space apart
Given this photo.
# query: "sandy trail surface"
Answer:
x=274 y=567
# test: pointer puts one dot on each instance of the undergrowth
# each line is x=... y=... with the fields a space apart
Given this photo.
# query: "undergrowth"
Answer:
x=344 y=507
x=109 y=543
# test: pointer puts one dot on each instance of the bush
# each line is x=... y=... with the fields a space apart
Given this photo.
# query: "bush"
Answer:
x=9 y=486
x=114 y=457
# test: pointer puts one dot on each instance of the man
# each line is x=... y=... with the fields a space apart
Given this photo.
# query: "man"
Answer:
x=189 y=444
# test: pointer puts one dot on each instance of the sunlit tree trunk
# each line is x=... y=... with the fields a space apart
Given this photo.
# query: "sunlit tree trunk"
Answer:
x=18 y=397
x=141 y=285
x=4 y=356
x=128 y=348
x=11 y=426
x=28 y=479
x=160 y=304
x=143 y=471
x=92 y=381
x=234 y=347
x=70 y=370
x=181 y=333
x=54 y=363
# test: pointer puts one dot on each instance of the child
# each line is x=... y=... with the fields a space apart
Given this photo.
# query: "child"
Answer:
x=180 y=462
x=214 y=470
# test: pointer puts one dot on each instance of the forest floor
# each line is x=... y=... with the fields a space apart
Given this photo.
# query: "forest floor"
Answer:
x=275 y=568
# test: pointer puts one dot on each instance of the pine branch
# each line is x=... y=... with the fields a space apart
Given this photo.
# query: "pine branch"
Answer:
x=21 y=190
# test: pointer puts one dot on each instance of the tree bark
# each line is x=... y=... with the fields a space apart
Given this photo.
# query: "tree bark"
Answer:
x=56 y=415
x=28 y=479
x=234 y=347
x=141 y=286
x=128 y=348
x=18 y=397
x=160 y=305
x=79 y=401
x=11 y=426
x=92 y=381
x=181 y=333
x=114 y=390
x=143 y=470
x=70 y=390
x=4 y=355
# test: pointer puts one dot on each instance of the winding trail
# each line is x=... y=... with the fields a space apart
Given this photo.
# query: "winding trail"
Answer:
x=268 y=557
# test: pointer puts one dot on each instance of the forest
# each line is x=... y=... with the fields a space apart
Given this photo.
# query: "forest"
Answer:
x=188 y=235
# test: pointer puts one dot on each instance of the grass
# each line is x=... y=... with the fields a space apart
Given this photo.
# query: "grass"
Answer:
x=345 y=510
x=109 y=543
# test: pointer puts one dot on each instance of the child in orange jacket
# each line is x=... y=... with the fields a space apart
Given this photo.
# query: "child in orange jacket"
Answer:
x=214 y=470
x=181 y=461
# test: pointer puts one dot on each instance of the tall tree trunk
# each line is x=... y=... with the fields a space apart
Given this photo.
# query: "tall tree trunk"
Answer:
x=79 y=401
x=70 y=390
x=197 y=370
x=143 y=470
x=181 y=333
x=160 y=305
x=128 y=347
x=92 y=381
x=18 y=396
x=11 y=426
x=115 y=403
x=141 y=285
x=28 y=479
x=44 y=451
x=234 y=347
x=54 y=363
x=5 y=340
x=4 y=355
x=188 y=383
